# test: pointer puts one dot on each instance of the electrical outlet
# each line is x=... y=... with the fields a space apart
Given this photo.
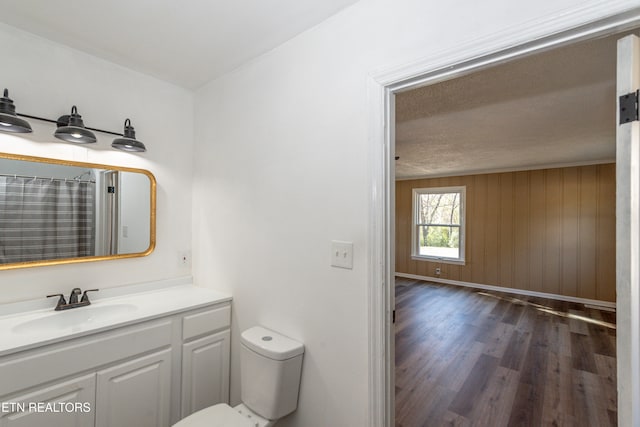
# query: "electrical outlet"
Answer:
x=342 y=254
x=437 y=271
x=184 y=258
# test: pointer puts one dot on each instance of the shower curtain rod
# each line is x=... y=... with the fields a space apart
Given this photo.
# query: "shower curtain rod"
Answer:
x=45 y=178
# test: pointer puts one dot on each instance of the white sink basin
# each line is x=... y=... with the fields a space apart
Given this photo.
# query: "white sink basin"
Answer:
x=74 y=318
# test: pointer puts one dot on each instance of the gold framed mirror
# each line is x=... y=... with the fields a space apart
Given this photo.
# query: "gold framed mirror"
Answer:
x=56 y=212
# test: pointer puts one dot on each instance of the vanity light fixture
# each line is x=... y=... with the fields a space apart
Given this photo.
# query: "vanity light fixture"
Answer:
x=71 y=128
x=9 y=121
x=128 y=141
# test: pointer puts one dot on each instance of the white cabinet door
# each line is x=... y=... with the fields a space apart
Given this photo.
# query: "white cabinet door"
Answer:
x=65 y=404
x=135 y=393
x=205 y=372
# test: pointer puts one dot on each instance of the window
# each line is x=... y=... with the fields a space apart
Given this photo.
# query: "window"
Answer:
x=438 y=224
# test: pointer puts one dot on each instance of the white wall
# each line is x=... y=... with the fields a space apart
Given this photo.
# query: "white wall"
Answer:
x=281 y=168
x=45 y=79
x=134 y=213
x=49 y=170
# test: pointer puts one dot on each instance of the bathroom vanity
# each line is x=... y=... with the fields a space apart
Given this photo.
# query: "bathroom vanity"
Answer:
x=145 y=355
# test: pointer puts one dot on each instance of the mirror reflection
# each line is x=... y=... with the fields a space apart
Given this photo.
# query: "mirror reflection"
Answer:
x=51 y=210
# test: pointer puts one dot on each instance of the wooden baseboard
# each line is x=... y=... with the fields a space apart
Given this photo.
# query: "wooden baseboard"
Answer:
x=611 y=306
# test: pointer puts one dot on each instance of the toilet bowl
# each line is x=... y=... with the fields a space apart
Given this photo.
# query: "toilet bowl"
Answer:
x=223 y=415
x=270 y=368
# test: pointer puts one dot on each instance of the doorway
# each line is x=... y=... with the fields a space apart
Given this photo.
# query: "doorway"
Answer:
x=382 y=377
x=518 y=160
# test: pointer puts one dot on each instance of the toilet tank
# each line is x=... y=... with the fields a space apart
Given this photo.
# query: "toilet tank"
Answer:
x=270 y=368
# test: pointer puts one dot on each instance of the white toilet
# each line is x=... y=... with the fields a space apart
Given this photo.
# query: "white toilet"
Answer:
x=270 y=367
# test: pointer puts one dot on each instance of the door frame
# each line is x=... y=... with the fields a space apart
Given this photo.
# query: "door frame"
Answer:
x=540 y=35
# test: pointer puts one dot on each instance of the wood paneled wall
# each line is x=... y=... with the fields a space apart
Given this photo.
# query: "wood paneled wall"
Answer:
x=549 y=230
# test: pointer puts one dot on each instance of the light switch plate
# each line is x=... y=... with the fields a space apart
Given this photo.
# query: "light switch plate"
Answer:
x=342 y=254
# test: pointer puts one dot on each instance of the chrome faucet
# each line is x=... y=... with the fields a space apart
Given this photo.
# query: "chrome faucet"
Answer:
x=73 y=299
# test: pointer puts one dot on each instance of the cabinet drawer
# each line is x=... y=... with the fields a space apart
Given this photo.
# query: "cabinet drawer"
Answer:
x=205 y=322
x=34 y=367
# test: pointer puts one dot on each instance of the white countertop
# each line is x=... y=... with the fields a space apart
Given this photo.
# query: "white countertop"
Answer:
x=27 y=325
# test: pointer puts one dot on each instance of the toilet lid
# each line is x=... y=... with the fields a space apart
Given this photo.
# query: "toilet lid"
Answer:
x=220 y=415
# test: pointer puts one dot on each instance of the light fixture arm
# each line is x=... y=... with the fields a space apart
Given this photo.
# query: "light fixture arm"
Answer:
x=62 y=123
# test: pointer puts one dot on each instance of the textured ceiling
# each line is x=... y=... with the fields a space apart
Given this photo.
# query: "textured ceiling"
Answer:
x=187 y=43
x=553 y=108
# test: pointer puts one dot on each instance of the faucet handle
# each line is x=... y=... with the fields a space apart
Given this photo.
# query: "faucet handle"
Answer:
x=85 y=297
x=61 y=301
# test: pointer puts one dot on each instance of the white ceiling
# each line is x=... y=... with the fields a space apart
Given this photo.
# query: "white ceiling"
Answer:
x=555 y=108
x=184 y=42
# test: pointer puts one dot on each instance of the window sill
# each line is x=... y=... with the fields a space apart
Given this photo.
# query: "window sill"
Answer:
x=440 y=260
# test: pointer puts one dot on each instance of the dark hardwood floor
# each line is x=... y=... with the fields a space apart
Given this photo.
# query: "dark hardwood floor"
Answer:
x=467 y=357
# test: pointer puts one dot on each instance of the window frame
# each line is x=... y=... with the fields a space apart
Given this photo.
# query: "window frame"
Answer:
x=415 y=252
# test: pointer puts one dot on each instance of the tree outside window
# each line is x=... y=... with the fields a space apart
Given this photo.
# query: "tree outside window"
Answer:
x=439 y=223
